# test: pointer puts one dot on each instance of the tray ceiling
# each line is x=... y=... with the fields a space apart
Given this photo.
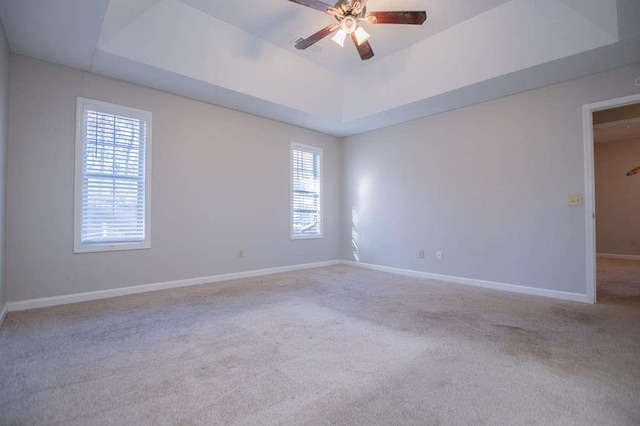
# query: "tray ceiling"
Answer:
x=239 y=54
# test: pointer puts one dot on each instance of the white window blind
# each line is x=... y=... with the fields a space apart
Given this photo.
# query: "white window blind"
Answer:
x=113 y=186
x=306 y=197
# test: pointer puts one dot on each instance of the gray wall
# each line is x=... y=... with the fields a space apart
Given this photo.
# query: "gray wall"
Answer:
x=487 y=184
x=4 y=115
x=617 y=197
x=220 y=183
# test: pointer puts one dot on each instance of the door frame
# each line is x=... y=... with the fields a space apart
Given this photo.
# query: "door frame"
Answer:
x=589 y=182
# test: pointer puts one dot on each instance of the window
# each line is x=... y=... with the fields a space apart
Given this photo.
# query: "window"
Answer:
x=113 y=175
x=306 y=192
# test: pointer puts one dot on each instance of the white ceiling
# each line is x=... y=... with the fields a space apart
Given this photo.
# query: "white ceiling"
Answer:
x=239 y=54
x=280 y=22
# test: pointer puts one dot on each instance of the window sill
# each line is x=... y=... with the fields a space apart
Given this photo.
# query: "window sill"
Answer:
x=307 y=237
x=113 y=247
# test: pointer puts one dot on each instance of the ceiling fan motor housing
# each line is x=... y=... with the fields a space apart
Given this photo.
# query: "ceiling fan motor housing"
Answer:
x=345 y=9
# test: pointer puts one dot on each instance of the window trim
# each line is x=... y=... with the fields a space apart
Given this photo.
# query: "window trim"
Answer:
x=109 y=108
x=315 y=150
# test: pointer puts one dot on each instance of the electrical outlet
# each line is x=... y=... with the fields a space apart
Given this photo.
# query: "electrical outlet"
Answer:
x=439 y=255
x=576 y=200
x=421 y=254
x=241 y=254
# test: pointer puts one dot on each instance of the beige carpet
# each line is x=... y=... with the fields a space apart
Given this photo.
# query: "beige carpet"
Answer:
x=337 y=345
x=619 y=281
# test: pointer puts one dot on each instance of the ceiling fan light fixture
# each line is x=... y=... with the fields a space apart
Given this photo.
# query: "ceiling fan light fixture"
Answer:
x=361 y=35
x=349 y=24
x=339 y=37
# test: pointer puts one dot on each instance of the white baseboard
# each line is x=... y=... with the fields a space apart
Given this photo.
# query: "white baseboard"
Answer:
x=563 y=295
x=104 y=294
x=3 y=314
x=618 y=256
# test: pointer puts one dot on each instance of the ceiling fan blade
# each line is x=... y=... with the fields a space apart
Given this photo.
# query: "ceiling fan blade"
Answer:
x=405 y=17
x=314 y=4
x=313 y=39
x=365 y=50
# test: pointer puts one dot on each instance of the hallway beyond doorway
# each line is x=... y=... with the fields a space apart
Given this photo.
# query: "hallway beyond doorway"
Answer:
x=618 y=281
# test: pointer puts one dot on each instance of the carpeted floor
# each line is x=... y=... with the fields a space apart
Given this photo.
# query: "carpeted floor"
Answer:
x=336 y=345
x=619 y=282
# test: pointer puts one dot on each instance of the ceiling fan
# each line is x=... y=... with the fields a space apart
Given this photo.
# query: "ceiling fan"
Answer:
x=350 y=14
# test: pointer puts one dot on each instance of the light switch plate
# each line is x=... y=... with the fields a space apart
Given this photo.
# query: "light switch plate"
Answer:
x=576 y=200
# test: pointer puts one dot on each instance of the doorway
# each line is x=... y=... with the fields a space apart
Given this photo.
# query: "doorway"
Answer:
x=612 y=189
